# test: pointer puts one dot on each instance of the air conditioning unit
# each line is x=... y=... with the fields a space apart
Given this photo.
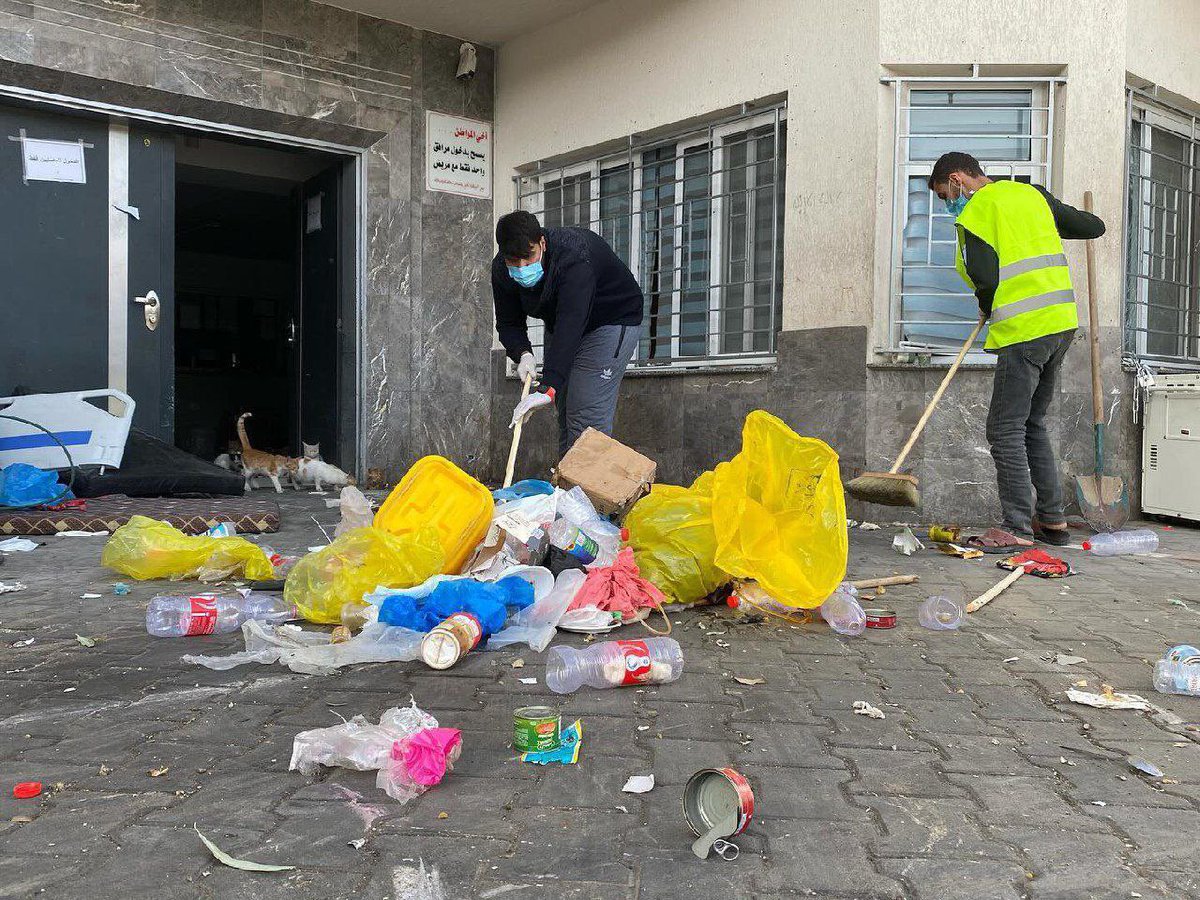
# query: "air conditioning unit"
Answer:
x=1171 y=447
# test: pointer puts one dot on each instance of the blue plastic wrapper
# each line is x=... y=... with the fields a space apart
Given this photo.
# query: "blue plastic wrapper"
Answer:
x=24 y=485
x=530 y=487
x=488 y=602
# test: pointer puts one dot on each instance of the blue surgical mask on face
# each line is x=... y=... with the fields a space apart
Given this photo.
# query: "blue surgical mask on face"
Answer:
x=959 y=203
x=526 y=276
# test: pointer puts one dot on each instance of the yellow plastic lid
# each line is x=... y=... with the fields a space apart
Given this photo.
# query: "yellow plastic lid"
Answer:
x=435 y=492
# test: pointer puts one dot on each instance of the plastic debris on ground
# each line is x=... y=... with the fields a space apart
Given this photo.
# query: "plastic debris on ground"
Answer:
x=907 y=543
x=566 y=753
x=422 y=610
x=17 y=545
x=408 y=749
x=863 y=708
x=11 y=587
x=1145 y=767
x=1065 y=659
x=315 y=652
x=355 y=509
x=120 y=589
x=536 y=625
x=792 y=540
x=146 y=548
x=618 y=589
x=1110 y=699
x=357 y=562
x=530 y=487
x=639 y=784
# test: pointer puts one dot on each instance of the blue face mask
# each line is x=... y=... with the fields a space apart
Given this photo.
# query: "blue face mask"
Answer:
x=958 y=204
x=526 y=276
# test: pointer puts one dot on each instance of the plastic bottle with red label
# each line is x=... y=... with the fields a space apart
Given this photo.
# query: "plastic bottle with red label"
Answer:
x=209 y=614
x=654 y=660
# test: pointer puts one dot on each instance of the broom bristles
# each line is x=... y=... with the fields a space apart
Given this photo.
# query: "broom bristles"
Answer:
x=885 y=488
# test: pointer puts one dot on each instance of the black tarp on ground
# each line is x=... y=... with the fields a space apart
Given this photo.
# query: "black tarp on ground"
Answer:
x=154 y=468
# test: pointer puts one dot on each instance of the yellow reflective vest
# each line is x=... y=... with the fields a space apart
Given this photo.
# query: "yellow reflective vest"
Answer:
x=1034 y=297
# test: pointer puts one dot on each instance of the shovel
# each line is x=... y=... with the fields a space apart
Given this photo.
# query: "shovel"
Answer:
x=1103 y=499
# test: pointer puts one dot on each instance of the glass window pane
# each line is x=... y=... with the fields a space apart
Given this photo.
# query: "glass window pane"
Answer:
x=990 y=125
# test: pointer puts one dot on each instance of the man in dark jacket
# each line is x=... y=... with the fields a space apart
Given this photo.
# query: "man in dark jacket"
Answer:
x=592 y=307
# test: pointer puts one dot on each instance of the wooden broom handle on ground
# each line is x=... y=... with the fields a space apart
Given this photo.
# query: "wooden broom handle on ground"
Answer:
x=1093 y=322
x=512 y=452
x=995 y=591
x=936 y=397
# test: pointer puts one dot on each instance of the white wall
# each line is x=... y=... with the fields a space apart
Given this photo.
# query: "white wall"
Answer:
x=630 y=65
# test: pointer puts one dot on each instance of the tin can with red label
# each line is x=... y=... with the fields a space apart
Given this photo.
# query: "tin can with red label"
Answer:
x=880 y=617
x=451 y=640
x=711 y=796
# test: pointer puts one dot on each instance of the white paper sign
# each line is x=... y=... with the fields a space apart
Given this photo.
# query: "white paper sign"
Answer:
x=53 y=161
x=458 y=155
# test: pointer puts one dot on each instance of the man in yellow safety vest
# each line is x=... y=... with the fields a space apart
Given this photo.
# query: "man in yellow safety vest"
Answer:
x=1010 y=251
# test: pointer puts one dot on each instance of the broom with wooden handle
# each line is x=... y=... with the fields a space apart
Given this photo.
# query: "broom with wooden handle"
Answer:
x=512 y=452
x=892 y=489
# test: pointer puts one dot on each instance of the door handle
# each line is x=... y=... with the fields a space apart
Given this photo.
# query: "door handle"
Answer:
x=291 y=331
x=151 y=307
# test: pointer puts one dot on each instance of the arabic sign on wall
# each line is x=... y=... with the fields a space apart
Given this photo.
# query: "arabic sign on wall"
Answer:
x=43 y=159
x=458 y=155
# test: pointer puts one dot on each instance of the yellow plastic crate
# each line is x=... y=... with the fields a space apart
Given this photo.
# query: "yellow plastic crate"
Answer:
x=437 y=492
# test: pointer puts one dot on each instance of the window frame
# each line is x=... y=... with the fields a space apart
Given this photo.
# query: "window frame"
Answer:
x=1039 y=168
x=1150 y=113
x=715 y=137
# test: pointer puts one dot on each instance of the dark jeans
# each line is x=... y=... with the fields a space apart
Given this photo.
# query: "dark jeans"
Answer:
x=1025 y=381
x=590 y=398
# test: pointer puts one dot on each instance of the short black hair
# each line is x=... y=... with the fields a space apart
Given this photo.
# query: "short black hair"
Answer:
x=516 y=232
x=954 y=161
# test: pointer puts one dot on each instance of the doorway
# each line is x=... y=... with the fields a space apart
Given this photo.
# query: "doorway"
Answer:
x=257 y=295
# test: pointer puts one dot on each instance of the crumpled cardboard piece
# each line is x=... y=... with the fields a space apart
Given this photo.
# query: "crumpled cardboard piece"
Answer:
x=613 y=476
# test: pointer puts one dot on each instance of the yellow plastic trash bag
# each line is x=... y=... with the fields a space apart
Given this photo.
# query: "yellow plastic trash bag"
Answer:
x=671 y=532
x=356 y=563
x=147 y=548
x=780 y=513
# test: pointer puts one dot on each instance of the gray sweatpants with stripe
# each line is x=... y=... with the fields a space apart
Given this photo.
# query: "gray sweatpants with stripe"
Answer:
x=590 y=398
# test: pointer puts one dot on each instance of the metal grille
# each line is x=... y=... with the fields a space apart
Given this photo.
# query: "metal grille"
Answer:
x=698 y=218
x=1007 y=125
x=1162 y=309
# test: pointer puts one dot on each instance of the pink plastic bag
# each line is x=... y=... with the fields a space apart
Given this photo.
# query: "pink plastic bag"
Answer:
x=618 y=588
x=419 y=761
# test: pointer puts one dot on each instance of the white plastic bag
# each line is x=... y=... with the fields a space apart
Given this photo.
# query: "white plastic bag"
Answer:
x=356 y=511
x=358 y=743
x=537 y=623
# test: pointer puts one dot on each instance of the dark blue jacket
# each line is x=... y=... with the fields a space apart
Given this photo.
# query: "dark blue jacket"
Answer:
x=585 y=286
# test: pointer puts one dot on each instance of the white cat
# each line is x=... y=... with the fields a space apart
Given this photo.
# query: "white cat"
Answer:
x=318 y=473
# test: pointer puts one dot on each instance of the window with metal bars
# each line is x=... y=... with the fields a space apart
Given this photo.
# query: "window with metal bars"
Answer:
x=698 y=218
x=1162 y=283
x=1004 y=123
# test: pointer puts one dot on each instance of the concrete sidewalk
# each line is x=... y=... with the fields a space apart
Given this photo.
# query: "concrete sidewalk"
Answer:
x=983 y=781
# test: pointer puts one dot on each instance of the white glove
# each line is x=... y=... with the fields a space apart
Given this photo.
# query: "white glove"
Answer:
x=527 y=368
x=534 y=401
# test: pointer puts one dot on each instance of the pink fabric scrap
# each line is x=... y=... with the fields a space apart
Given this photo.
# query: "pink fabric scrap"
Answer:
x=618 y=588
x=427 y=752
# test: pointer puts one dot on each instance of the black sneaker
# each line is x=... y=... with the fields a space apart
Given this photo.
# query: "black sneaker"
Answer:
x=1055 y=537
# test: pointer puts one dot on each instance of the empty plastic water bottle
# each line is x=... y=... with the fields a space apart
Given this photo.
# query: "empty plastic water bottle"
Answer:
x=1123 y=543
x=208 y=614
x=940 y=613
x=570 y=539
x=655 y=660
x=843 y=612
x=1177 y=677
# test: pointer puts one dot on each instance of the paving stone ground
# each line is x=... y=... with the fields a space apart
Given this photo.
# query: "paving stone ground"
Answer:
x=983 y=781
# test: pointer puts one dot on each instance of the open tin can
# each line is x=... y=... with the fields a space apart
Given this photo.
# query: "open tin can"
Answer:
x=712 y=795
x=880 y=617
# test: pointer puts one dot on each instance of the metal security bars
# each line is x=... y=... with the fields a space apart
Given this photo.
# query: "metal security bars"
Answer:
x=1162 y=297
x=698 y=218
x=1005 y=123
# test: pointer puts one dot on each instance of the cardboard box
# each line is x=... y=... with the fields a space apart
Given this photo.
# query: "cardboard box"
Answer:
x=612 y=475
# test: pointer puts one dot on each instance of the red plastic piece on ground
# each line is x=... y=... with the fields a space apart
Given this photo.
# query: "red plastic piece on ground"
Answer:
x=27 y=789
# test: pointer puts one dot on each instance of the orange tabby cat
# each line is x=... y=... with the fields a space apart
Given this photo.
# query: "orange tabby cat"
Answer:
x=258 y=462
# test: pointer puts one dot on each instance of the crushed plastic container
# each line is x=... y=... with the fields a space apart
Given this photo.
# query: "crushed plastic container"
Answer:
x=939 y=613
x=1177 y=677
x=656 y=660
x=1123 y=543
x=844 y=613
x=436 y=493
